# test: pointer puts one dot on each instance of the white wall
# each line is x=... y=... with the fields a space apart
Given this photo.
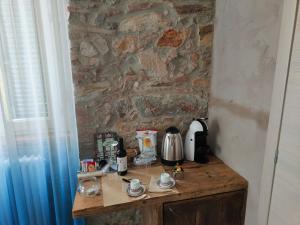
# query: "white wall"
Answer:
x=245 y=47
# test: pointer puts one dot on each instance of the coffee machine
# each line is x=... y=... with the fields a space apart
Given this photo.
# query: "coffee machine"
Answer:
x=195 y=147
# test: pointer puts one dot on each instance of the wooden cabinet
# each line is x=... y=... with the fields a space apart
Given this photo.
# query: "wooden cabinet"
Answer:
x=221 y=209
x=210 y=194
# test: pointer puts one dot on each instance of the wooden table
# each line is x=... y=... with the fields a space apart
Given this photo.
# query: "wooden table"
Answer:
x=199 y=181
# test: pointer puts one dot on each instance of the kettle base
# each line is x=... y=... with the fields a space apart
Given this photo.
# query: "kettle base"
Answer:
x=171 y=163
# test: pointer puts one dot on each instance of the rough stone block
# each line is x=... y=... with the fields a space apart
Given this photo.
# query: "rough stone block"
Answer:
x=172 y=38
x=87 y=49
x=150 y=22
x=153 y=106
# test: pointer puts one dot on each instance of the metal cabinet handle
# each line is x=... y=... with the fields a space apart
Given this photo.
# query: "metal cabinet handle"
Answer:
x=172 y=211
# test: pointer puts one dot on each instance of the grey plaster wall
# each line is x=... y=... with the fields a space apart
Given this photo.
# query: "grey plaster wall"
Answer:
x=244 y=58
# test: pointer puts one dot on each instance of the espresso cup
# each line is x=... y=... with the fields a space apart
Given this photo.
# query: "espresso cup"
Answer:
x=165 y=178
x=135 y=185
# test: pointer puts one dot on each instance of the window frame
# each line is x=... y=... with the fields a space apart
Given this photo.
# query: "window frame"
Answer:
x=22 y=126
x=52 y=27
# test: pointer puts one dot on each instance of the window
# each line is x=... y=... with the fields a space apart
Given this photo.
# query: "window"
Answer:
x=22 y=78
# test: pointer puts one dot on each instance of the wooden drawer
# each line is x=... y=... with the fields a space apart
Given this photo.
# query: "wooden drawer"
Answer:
x=221 y=209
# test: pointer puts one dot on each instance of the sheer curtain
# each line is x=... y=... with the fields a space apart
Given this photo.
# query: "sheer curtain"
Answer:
x=38 y=136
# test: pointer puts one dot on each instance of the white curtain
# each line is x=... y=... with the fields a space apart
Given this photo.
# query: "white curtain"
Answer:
x=38 y=136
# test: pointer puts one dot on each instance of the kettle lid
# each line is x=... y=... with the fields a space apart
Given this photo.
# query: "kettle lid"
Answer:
x=172 y=130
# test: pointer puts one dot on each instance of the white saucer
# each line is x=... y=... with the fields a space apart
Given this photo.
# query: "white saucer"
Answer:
x=136 y=194
x=168 y=186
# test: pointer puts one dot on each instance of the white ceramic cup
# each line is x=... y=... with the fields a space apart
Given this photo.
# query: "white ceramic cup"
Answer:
x=165 y=178
x=135 y=184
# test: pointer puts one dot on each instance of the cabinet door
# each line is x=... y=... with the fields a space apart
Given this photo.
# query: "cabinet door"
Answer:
x=222 y=209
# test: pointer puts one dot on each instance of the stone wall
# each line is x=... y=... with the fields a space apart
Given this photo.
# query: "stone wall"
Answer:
x=139 y=64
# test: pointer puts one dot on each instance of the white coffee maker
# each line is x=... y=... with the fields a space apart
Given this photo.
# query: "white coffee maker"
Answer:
x=195 y=146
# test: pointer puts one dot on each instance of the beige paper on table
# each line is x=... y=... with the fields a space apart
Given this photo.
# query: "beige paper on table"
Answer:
x=154 y=188
x=114 y=189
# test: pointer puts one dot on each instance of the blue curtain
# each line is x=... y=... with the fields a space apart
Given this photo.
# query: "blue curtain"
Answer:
x=39 y=154
x=38 y=189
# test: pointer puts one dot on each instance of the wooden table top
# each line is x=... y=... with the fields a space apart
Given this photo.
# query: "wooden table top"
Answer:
x=199 y=180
